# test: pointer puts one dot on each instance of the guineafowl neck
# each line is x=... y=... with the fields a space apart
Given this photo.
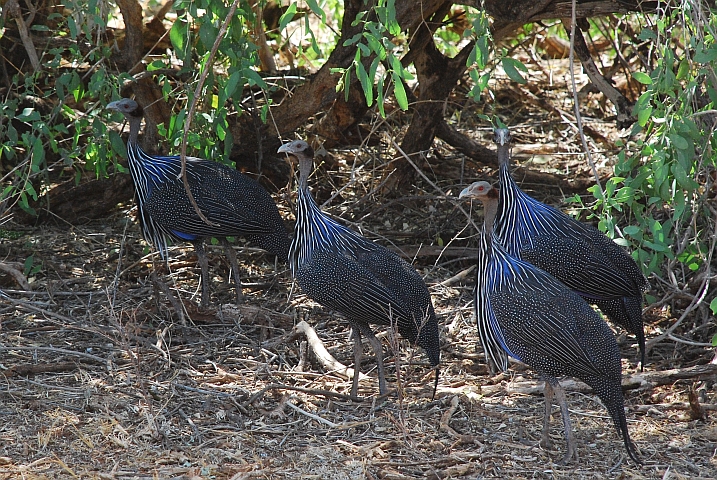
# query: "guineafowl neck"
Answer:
x=134 y=125
x=504 y=155
x=305 y=166
x=491 y=209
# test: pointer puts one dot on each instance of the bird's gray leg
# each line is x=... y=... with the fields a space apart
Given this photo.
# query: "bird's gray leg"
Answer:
x=356 y=335
x=232 y=255
x=204 y=265
x=376 y=345
x=545 y=441
x=569 y=437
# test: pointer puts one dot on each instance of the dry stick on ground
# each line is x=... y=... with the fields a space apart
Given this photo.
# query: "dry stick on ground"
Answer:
x=311 y=391
x=94 y=358
x=649 y=408
x=445 y=427
x=323 y=355
x=311 y=415
x=16 y=274
x=28 y=369
x=193 y=107
x=48 y=313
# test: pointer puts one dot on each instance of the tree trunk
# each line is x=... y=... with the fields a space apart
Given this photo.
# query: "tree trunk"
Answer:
x=437 y=77
x=147 y=93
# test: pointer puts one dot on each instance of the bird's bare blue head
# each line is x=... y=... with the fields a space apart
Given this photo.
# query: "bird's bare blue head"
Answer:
x=297 y=148
x=480 y=190
x=127 y=106
x=501 y=136
x=302 y=152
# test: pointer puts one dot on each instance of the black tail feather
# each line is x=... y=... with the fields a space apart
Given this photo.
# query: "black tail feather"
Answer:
x=435 y=384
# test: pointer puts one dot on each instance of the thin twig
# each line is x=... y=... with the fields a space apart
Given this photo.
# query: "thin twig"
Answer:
x=310 y=391
x=88 y=356
x=29 y=306
x=578 y=117
x=696 y=300
x=457 y=277
x=311 y=415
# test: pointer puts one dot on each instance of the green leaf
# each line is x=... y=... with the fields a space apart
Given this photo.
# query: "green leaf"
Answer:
x=353 y=39
x=232 y=83
x=706 y=56
x=394 y=28
x=713 y=307
x=375 y=45
x=178 y=35
x=38 y=155
x=314 y=6
x=655 y=246
x=396 y=66
x=679 y=142
x=28 y=115
x=622 y=242
x=380 y=96
x=117 y=143
x=28 y=265
x=647 y=34
x=363 y=49
x=156 y=65
x=254 y=79
x=400 y=93
x=683 y=69
x=682 y=177
x=287 y=16
x=511 y=66
x=631 y=230
x=373 y=68
x=366 y=82
x=643 y=115
x=714 y=338
x=642 y=77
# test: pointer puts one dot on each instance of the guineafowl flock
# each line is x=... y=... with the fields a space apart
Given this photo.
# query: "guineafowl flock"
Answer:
x=538 y=270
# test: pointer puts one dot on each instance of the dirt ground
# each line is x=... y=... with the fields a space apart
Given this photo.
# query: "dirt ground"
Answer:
x=103 y=378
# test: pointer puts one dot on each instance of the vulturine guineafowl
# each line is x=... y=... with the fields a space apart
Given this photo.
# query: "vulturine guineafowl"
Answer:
x=364 y=281
x=526 y=313
x=235 y=204
x=577 y=254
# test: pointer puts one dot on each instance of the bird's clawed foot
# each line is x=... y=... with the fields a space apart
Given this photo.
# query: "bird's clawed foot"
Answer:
x=571 y=454
x=545 y=442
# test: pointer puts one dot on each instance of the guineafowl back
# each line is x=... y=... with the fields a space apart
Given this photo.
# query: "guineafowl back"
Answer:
x=236 y=204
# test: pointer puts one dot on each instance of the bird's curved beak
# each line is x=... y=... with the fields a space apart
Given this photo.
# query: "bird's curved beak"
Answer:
x=466 y=192
x=286 y=148
x=113 y=106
